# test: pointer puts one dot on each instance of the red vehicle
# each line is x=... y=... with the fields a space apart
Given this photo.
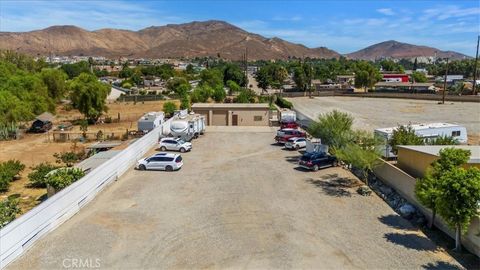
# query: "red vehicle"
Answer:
x=284 y=134
x=284 y=125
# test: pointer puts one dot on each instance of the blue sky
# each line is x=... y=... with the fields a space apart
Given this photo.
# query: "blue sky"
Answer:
x=344 y=26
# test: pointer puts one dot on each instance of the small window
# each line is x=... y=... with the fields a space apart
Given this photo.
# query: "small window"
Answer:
x=456 y=133
x=257 y=118
x=178 y=159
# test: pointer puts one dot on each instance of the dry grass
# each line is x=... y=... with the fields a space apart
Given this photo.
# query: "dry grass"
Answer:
x=37 y=148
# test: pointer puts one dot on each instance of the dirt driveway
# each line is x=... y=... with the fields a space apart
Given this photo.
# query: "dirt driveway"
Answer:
x=239 y=202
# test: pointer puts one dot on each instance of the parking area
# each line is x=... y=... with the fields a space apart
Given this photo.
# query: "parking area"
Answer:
x=372 y=113
x=238 y=202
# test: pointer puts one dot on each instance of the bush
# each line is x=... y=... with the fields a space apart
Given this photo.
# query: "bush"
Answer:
x=68 y=158
x=37 y=176
x=8 y=210
x=169 y=108
x=8 y=171
x=63 y=177
x=283 y=103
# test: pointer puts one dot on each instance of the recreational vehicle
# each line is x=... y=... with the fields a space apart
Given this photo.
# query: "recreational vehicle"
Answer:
x=426 y=131
x=187 y=126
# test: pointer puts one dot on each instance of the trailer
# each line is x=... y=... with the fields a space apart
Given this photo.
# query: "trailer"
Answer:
x=428 y=132
x=287 y=116
x=187 y=126
x=150 y=121
x=315 y=145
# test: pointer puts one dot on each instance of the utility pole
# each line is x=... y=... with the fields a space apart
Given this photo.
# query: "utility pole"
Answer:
x=445 y=83
x=474 y=89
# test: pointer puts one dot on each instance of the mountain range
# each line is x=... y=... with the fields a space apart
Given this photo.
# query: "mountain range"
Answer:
x=194 y=39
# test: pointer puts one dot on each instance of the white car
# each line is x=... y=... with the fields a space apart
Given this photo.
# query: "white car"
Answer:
x=296 y=143
x=161 y=161
x=175 y=144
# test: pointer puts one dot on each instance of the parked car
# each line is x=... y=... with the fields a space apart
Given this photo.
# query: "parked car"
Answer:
x=296 y=143
x=161 y=161
x=175 y=144
x=284 y=134
x=41 y=126
x=293 y=125
x=315 y=161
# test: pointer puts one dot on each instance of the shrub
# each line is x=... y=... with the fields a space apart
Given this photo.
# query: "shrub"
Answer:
x=8 y=210
x=8 y=171
x=283 y=103
x=37 y=176
x=68 y=158
x=63 y=177
x=169 y=108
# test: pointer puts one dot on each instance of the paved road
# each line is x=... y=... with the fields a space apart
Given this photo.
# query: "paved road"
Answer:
x=239 y=202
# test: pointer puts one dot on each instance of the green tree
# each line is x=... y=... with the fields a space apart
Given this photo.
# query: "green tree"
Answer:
x=332 y=128
x=211 y=77
x=245 y=96
x=418 y=77
x=404 y=135
x=365 y=159
x=427 y=189
x=232 y=87
x=63 y=177
x=190 y=69
x=88 y=95
x=458 y=199
x=366 y=75
x=232 y=72
x=179 y=85
x=185 y=103
x=126 y=72
x=74 y=70
x=54 y=79
x=169 y=108
x=443 y=140
x=219 y=94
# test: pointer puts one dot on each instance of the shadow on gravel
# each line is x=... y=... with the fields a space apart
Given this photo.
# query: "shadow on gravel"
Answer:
x=333 y=185
x=292 y=159
x=397 y=222
x=440 y=266
x=411 y=241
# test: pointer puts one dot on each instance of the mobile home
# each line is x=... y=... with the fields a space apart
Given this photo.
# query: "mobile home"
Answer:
x=426 y=131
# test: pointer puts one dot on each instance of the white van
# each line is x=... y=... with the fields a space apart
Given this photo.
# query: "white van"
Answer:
x=426 y=131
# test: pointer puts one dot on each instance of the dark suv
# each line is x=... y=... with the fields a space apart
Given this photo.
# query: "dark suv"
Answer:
x=315 y=161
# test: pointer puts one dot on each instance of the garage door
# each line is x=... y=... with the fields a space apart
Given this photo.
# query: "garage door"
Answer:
x=219 y=118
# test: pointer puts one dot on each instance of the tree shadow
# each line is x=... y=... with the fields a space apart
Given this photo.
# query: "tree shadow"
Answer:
x=397 y=222
x=336 y=186
x=440 y=266
x=411 y=241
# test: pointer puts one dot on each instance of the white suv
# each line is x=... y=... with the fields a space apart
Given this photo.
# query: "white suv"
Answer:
x=163 y=161
x=174 y=144
x=296 y=143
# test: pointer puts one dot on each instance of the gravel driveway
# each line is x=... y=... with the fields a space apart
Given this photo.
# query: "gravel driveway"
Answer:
x=239 y=202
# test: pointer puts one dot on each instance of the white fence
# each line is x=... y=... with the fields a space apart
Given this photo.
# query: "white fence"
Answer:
x=21 y=233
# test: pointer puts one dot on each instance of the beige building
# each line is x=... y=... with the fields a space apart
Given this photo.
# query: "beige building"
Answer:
x=234 y=114
x=415 y=159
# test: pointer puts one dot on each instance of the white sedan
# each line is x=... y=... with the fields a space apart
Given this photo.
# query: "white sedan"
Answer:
x=296 y=143
x=161 y=161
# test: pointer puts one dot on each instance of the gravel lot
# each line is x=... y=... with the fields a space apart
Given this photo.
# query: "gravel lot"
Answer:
x=239 y=202
x=371 y=113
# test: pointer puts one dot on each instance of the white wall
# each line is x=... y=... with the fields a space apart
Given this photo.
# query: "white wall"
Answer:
x=21 y=233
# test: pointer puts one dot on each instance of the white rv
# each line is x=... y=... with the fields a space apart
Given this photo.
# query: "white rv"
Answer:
x=426 y=131
x=287 y=116
x=187 y=126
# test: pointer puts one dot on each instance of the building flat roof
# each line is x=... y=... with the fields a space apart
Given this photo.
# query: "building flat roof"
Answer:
x=420 y=127
x=230 y=105
x=402 y=84
x=435 y=149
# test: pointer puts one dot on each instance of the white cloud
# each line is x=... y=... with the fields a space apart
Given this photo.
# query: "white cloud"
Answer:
x=386 y=11
x=451 y=11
